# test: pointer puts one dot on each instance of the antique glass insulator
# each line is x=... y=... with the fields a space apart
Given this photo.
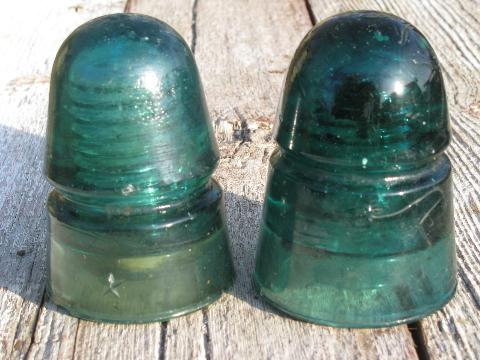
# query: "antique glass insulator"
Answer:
x=137 y=230
x=358 y=219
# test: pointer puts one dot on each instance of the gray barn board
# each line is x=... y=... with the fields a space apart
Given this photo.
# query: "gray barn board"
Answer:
x=243 y=49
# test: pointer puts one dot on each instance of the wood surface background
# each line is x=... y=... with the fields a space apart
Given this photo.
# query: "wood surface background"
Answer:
x=243 y=49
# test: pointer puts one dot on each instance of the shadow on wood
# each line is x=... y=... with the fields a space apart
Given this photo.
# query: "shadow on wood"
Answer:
x=24 y=225
x=23 y=191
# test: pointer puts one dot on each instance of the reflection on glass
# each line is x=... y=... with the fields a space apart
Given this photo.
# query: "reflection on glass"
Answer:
x=357 y=228
x=136 y=223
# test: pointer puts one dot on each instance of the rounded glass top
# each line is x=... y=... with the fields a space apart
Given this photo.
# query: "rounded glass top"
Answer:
x=127 y=112
x=364 y=89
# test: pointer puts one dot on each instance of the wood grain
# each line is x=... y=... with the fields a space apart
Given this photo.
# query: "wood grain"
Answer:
x=30 y=34
x=453 y=29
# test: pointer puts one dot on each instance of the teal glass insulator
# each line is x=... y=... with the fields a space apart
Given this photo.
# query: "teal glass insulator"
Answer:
x=137 y=230
x=357 y=228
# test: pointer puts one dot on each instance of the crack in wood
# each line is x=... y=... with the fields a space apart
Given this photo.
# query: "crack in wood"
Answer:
x=207 y=341
x=75 y=340
x=42 y=298
x=14 y=340
x=35 y=323
x=194 y=26
x=418 y=337
x=163 y=340
x=311 y=14
x=128 y=6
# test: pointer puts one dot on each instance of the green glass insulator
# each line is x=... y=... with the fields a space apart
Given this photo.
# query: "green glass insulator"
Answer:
x=137 y=228
x=357 y=228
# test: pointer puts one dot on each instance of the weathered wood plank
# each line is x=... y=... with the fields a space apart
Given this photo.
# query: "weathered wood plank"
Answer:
x=453 y=28
x=177 y=14
x=30 y=34
x=54 y=335
x=117 y=341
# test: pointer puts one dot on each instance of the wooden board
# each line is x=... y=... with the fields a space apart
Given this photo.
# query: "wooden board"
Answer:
x=30 y=34
x=243 y=49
